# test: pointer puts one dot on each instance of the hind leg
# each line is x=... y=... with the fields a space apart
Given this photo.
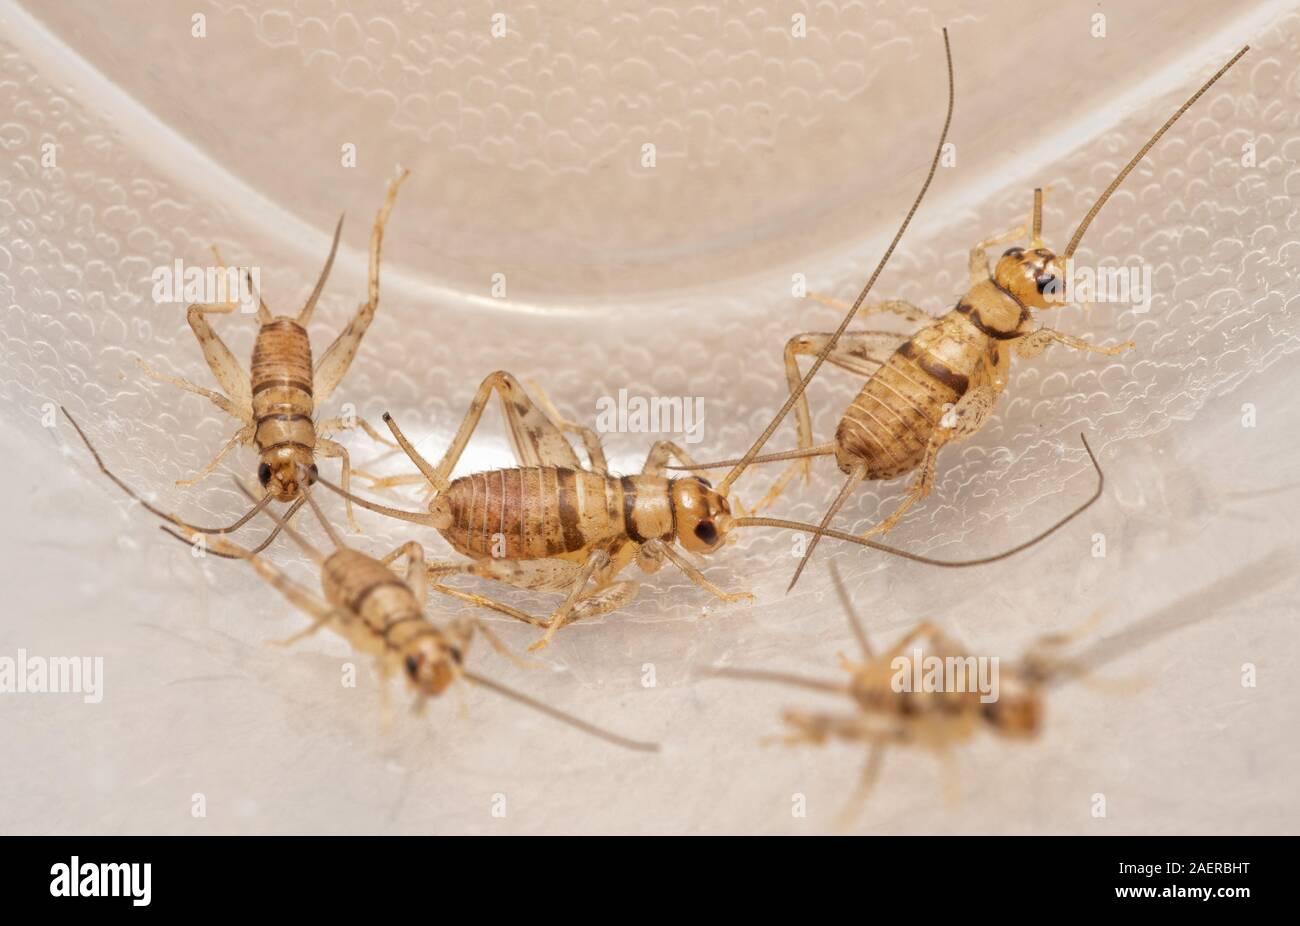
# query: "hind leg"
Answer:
x=861 y=353
x=243 y=436
x=960 y=422
x=333 y=364
x=536 y=439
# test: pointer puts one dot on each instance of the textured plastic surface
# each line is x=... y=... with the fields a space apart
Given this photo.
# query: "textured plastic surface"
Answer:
x=774 y=156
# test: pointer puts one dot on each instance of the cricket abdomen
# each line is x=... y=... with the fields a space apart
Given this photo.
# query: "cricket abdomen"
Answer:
x=889 y=424
x=281 y=379
x=365 y=587
x=535 y=512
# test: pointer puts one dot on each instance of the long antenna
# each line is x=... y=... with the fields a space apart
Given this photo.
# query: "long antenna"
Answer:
x=1119 y=178
x=401 y=514
x=183 y=525
x=556 y=714
x=846 y=603
x=926 y=560
x=781 y=678
x=821 y=450
x=725 y=486
x=320 y=516
x=282 y=524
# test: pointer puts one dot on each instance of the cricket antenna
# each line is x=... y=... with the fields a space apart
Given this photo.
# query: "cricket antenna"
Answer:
x=401 y=514
x=282 y=524
x=781 y=678
x=1119 y=178
x=819 y=532
x=725 y=486
x=152 y=509
x=556 y=714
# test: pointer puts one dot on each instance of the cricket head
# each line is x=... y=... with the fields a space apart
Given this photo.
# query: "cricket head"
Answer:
x=1017 y=712
x=432 y=662
x=285 y=471
x=702 y=515
x=1033 y=276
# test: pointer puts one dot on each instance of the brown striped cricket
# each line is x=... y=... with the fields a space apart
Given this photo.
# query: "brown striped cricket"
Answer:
x=940 y=384
x=551 y=524
x=890 y=710
x=380 y=612
x=276 y=398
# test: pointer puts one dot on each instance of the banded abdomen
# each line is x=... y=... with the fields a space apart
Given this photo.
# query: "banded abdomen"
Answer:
x=536 y=512
x=879 y=690
x=390 y=617
x=889 y=424
x=282 y=390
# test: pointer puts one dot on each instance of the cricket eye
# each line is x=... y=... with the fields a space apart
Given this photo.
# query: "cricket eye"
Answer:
x=412 y=666
x=706 y=532
x=1013 y=252
x=264 y=474
x=1044 y=281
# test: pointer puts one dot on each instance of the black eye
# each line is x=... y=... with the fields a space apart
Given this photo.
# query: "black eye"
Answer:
x=706 y=532
x=455 y=655
x=264 y=473
x=1045 y=281
x=312 y=473
x=412 y=666
x=704 y=482
x=1013 y=252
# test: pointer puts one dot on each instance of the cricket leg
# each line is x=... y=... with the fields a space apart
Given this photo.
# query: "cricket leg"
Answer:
x=598 y=559
x=537 y=441
x=885 y=306
x=960 y=422
x=332 y=426
x=590 y=439
x=1031 y=345
x=332 y=449
x=230 y=374
x=216 y=398
x=333 y=364
x=243 y=436
x=697 y=577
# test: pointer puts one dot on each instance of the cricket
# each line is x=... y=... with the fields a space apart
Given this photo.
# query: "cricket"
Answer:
x=890 y=710
x=276 y=398
x=551 y=524
x=383 y=616
x=580 y=612
x=939 y=385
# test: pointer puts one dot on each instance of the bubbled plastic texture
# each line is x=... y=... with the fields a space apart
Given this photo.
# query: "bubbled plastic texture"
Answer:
x=774 y=155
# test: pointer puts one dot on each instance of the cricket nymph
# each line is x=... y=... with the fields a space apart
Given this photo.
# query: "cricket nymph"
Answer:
x=389 y=621
x=940 y=384
x=888 y=427
x=275 y=399
x=536 y=512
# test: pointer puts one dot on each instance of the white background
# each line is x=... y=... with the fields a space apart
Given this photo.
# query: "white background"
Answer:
x=775 y=156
